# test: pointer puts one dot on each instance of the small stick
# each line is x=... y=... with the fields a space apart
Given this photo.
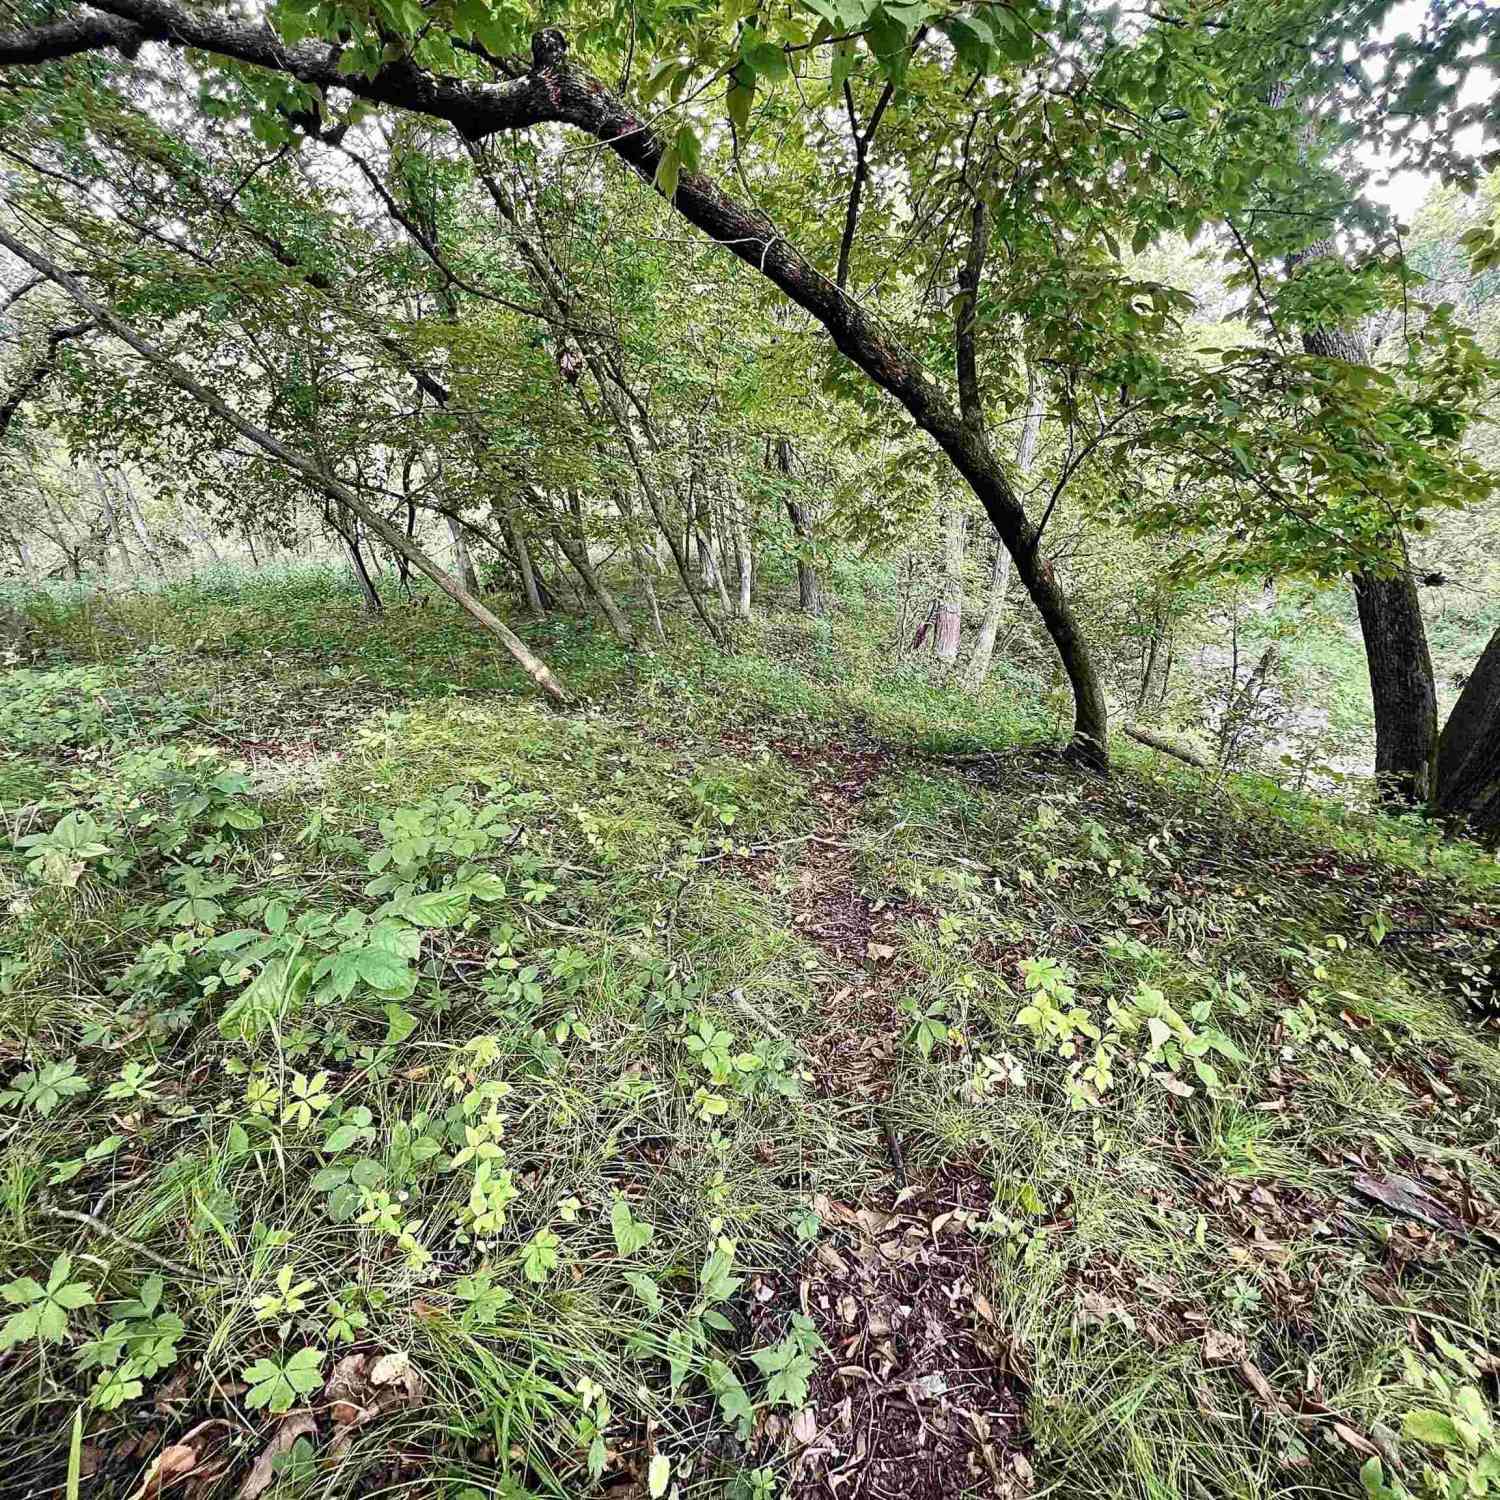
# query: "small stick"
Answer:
x=100 y=1227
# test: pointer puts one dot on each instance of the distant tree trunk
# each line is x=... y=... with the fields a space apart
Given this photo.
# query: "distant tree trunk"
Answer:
x=369 y=595
x=809 y=591
x=641 y=565
x=989 y=627
x=1468 y=756
x=950 y=607
x=746 y=563
x=576 y=550
x=510 y=529
x=463 y=564
x=1241 y=706
x=709 y=556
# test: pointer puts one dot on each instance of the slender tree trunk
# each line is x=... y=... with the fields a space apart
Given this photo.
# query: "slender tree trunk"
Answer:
x=809 y=591
x=368 y=592
x=746 y=563
x=1242 y=703
x=989 y=626
x=576 y=550
x=1468 y=757
x=709 y=555
x=463 y=564
x=509 y=529
x=950 y=606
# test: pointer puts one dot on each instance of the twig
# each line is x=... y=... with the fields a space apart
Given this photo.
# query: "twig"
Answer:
x=101 y=1228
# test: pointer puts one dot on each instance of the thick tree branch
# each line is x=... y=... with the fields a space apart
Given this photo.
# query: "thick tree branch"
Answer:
x=34 y=378
x=59 y=39
x=966 y=321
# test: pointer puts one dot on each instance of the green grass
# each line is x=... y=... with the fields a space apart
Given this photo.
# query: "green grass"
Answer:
x=1171 y=1206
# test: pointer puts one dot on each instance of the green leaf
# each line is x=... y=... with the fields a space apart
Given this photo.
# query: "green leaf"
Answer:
x=741 y=96
x=435 y=908
x=631 y=1235
x=1431 y=1427
x=658 y=1476
x=539 y=1257
x=668 y=170
x=399 y=1024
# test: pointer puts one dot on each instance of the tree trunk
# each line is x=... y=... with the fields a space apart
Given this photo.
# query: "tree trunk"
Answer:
x=367 y=590
x=809 y=593
x=463 y=564
x=950 y=606
x=1390 y=619
x=576 y=550
x=989 y=626
x=1401 y=685
x=746 y=564
x=1468 y=756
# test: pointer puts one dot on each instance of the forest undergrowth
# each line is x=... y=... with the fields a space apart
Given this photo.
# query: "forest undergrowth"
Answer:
x=774 y=1075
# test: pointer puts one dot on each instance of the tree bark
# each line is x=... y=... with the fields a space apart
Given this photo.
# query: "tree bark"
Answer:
x=809 y=591
x=1390 y=620
x=950 y=605
x=462 y=562
x=1401 y=685
x=989 y=627
x=1468 y=756
x=746 y=563
x=576 y=550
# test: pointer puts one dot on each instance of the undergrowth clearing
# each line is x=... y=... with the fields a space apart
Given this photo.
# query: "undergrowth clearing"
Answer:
x=753 y=1082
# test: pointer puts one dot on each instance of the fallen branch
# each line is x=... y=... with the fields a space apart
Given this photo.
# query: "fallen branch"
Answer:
x=101 y=1228
x=1154 y=741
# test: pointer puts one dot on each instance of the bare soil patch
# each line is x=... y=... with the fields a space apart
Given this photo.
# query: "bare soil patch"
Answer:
x=917 y=1393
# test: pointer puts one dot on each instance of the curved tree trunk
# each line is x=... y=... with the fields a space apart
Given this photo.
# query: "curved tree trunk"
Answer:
x=1468 y=756
x=1390 y=620
x=554 y=89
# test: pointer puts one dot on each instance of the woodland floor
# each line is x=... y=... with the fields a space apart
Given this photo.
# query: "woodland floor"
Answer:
x=1126 y=1136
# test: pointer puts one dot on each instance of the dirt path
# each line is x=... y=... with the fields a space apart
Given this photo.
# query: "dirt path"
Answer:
x=916 y=1392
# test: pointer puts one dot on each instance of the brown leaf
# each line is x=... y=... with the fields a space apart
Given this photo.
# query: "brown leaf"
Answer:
x=1404 y=1196
x=1356 y=1442
x=170 y=1465
x=1254 y=1378
x=1223 y=1348
x=263 y=1470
